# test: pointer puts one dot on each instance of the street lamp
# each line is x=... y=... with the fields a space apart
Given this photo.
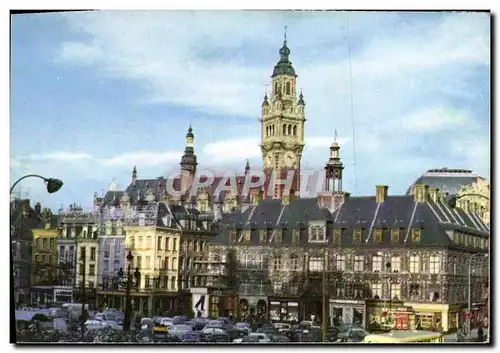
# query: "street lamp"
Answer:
x=469 y=309
x=53 y=185
x=128 y=306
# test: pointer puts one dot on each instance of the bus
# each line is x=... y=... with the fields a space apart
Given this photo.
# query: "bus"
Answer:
x=405 y=336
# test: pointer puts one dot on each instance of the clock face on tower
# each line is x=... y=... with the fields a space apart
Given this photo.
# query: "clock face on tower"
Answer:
x=290 y=159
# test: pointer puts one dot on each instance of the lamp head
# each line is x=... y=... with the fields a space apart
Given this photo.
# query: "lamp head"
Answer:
x=53 y=185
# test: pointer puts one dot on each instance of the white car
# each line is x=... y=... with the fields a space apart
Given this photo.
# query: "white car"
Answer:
x=262 y=337
x=282 y=327
x=166 y=321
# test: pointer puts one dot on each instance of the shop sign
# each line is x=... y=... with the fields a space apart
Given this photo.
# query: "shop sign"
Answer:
x=62 y=292
x=468 y=315
x=293 y=304
x=340 y=301
x=275 y=303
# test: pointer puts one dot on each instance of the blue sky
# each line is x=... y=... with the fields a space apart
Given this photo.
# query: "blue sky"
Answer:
x=93 y=94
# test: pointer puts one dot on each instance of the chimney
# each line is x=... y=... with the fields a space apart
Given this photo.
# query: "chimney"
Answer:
x=26 y=207
x=433 y=194
x=381 y=193
x=38 y=208
x=421 y=193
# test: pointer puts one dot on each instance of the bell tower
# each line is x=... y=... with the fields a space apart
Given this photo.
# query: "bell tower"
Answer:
x=282 y=122
x=188 y=161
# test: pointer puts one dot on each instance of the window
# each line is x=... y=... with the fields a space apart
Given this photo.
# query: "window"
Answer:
x=414 y=264
x=315 y=264
x=92 y=253
x=434 y=264
x=396 y=264
x=174 y=263
x=82 y=252
x=165 y=282
x=395 y=291
x=167 y=243
x=248 y=236
x=377 y=236
x=295 y=236
x=275 y=87
x=132 y=243
x=165 y=263
x=44 y=258
x=138 y=262
x=147 y=281
x=277 y=262
x=357 y=236
x=414 y=291
x=81 y=268
x=376 y=290
x=159 y=244
x=92 y=270
x=174 y=247
x=140 y=243
x=148 y=243
x=284 y=129
x=262 y=236
x=415 y=235
x=45 y=243
x=359 y=263
x=395 y=235
x=148 y=262
x=278 y=236
x=314 y=233
x=337 y=236
x=294 y=262
x=289 y=129
x=340 y=263
x=295 y=130
x=377 y=264
x=287 y=87
x=232 y=235
x=172 y=283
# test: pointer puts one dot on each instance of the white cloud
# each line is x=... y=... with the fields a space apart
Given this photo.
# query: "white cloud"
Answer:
x=435 y=120
x=62 y=156
x=231 y=150
x=144 y=158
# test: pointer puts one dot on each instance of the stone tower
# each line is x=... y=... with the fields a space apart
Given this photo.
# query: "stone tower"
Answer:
x=188 y=161
x=282 y=123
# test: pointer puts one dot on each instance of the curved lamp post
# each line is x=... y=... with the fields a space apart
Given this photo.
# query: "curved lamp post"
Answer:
x=53 y=185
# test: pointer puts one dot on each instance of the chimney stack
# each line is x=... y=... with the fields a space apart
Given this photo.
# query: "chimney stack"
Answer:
x=26 y=207
x=433 y=194
x=421 y=193
x=381 y=193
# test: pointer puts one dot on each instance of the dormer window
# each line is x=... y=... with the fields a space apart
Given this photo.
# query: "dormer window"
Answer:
x=232 y=235
x=262 y=236
x=395 y=235
x=296 y=236
x=278 y=236
x=248 y=236
x=357 y=236
x=377 y=236
x=415 y=235
x=317 y=233
x=337 y=236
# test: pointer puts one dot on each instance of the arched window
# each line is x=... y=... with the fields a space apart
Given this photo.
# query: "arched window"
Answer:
x=284 y=129
x=275 y=87
x=287 y=87
x=295 y=130
x=289 y=129
x=273 y=130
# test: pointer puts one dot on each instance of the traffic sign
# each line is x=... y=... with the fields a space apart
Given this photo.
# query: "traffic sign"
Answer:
x=468 y=315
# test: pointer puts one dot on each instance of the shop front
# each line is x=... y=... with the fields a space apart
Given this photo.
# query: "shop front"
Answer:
x=445 y=317
x=347 y=312
x=42 y=295
x=480 y=314
x=283 y=310
x=381 y=315
x=63 y=295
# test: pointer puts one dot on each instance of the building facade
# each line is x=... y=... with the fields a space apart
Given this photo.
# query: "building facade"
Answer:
x=379 y=260
x=76 y=233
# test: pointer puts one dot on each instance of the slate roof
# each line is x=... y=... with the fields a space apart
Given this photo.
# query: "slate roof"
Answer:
x=448 y=181
x=402 y=212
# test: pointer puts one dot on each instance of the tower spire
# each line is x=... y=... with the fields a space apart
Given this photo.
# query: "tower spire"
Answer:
x=286 y=27
x=335 y=136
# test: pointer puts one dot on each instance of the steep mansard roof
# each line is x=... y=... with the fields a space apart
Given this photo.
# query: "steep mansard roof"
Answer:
x=403 y=212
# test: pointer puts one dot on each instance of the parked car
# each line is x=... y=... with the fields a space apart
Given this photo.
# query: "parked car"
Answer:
x=353 y=334
x=282 y=326
x=279 y=339
x=166 y=321
x=179 y=330
x=243 y=326
x=191 y=337
x=179 y=319
x=207 y=333
x=263 y=338
x=215 y=323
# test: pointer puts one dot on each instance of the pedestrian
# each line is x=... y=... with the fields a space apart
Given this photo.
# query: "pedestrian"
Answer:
x=480 y=334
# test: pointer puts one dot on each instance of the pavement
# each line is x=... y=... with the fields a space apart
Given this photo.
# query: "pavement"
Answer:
x=452 y=337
